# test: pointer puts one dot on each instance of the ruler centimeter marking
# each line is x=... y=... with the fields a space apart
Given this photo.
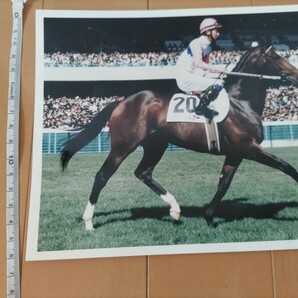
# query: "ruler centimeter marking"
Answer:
x=12 y=149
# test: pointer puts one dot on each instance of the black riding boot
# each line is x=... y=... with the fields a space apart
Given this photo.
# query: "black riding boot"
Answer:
x=209 y=95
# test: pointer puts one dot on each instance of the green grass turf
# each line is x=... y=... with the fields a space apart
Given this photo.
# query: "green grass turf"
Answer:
x=260 y=205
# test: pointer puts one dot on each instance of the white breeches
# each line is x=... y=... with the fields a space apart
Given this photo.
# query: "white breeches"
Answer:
x=196 y=81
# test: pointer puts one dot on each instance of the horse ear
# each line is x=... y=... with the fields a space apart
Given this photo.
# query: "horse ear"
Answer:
x=268 y=49
x=265 y=45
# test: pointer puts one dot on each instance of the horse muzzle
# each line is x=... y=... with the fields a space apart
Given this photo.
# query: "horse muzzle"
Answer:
x=289 y=79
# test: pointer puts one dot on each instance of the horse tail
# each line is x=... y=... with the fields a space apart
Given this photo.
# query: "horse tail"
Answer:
x=87 y=134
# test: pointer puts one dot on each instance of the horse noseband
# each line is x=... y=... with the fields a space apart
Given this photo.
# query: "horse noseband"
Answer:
x=283 y=78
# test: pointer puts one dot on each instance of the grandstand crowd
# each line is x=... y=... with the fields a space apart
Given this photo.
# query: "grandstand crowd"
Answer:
x=114 y=59
x=59 y=59
x=281 y=104
x=80 y=42
x=69 y=113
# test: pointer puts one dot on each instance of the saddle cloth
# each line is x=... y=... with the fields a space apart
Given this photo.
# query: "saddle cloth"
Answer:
x=182 y=108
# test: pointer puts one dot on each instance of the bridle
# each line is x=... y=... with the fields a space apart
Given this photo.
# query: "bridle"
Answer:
x=282 y=76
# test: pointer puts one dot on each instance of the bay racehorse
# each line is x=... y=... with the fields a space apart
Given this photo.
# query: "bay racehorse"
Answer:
x=140 y=119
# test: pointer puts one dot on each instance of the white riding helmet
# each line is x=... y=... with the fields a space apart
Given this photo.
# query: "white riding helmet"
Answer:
x=209 y=24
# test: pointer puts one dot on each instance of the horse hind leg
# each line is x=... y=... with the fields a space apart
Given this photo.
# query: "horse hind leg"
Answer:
x=151 y=157
x=109 y=167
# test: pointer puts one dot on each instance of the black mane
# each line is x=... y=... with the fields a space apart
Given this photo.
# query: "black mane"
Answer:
x=232 y=79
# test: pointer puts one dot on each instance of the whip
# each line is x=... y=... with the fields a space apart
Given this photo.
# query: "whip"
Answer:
x=252 y=75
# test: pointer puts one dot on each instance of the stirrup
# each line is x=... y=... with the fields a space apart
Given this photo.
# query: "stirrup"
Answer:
x=208 y=113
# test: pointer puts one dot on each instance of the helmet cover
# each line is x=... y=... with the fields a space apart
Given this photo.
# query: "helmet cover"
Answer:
x=209 y=24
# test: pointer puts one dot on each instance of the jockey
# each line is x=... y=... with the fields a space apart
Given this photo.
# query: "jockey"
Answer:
x=193 y=65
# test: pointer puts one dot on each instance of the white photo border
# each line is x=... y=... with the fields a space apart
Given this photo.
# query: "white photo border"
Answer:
x=32 y=253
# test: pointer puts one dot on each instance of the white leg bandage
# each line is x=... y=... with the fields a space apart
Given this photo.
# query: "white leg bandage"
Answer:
x=88 y=215
x=170 y=199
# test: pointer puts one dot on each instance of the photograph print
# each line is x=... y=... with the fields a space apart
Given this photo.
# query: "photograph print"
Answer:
x=164 y=132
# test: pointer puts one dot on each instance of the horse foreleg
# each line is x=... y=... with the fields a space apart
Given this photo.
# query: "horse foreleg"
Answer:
x=230 y=166
x=88 y=215
x=102 y=176
x=144 y=172
x=263 y=157
x=146 y=177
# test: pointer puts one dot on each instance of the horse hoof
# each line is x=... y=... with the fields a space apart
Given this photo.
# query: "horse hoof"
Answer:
x=175 y=215
x=89 y=226
x=210 y=222
x=89 y=230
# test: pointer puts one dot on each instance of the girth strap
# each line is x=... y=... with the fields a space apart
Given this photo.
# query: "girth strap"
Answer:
x=212 y=136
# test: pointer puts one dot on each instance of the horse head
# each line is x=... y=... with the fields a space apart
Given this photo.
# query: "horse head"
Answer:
x=264 y=64
x=265 y=61
x=274 y=64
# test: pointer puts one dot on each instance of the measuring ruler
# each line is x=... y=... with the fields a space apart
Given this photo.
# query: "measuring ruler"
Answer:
x=12 y=149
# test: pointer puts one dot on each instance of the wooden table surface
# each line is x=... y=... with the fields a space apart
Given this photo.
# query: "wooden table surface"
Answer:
x=252 y=274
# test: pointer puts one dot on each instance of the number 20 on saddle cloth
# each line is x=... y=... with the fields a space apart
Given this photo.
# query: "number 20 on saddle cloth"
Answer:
x=182 y=109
